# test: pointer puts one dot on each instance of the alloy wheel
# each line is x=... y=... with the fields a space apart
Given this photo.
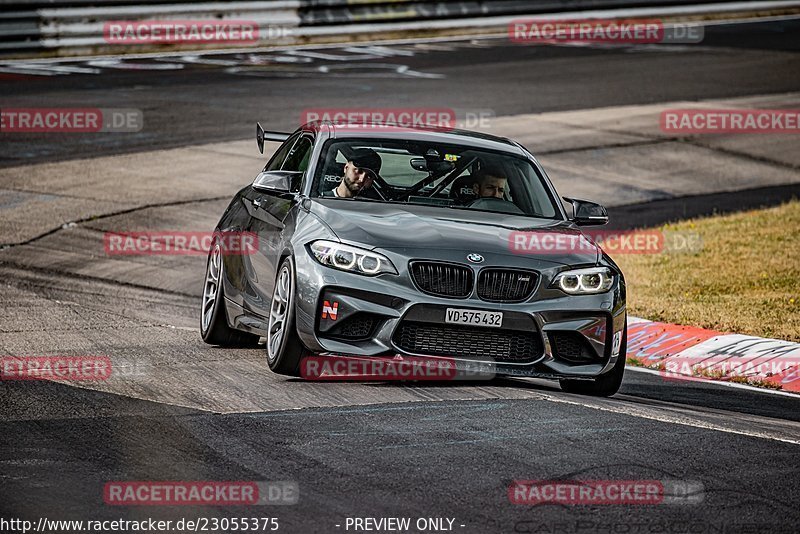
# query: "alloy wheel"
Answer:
x=211 y=288
x=279 y=311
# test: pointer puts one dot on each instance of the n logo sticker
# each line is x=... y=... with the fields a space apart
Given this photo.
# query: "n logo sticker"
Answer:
x=329 y=311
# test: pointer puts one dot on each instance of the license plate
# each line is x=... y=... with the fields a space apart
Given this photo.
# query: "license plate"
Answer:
x=474 y=317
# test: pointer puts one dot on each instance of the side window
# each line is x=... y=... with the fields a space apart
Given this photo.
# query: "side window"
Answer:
x=276 y=163
x=298 y=157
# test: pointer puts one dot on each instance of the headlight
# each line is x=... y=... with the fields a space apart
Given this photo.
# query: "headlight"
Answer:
x=351 y=259
x=584 y=281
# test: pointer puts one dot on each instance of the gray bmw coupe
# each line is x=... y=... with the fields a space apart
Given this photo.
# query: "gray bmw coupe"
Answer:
x=415 y=241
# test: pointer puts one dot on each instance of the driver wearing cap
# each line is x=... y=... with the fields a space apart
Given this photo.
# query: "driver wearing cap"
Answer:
x=359 y=172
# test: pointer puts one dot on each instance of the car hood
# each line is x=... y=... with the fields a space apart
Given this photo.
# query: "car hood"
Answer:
x=377 y=225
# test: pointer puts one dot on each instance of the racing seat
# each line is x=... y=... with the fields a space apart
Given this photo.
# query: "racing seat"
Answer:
x=461 y=190
x=331 y=177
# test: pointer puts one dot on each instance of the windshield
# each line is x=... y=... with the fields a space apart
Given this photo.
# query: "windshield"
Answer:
x=450 y=176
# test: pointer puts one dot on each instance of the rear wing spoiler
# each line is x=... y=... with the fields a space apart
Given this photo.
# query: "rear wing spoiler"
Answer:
x=262 y=136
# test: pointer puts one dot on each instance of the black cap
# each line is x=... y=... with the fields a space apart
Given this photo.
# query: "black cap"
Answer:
x=368 y=159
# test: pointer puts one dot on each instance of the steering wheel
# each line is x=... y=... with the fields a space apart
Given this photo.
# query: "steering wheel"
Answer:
x=496 y=204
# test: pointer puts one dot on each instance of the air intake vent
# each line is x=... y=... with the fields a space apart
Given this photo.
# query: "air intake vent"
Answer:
x=509 y=346
x=572 y=346
x=358 y=326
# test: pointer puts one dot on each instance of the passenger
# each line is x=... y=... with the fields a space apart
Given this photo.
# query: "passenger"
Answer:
x=490 y=182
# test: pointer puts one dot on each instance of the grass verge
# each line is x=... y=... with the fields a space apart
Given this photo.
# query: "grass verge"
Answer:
x=744 y=279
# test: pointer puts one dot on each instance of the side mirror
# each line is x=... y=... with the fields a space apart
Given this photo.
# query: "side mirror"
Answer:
x=278 y=181
x=586 y=213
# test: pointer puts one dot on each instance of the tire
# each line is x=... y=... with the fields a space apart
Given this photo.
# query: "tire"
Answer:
x=284 y=348
x=213 y=318
x=604 y=385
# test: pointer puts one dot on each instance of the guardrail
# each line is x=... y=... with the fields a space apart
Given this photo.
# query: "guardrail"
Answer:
x=78 y=29
x=314 y=12
x=70 y=27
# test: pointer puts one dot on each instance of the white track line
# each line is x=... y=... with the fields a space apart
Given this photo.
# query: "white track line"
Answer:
x=631 y=409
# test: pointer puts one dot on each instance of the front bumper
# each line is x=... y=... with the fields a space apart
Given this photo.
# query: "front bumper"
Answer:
x=551 y=335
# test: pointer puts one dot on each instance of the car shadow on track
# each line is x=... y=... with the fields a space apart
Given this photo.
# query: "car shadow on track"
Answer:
x=640 y=388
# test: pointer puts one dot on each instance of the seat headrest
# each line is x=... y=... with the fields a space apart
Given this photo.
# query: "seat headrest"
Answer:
x=461 y=189
x=331 y=177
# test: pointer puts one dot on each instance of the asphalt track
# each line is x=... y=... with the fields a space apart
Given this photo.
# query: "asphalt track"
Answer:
x=180 y=410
